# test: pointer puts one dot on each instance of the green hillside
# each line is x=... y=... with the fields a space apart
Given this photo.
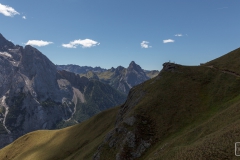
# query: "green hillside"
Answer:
x=75 y=142
x=228 y=62
x=176 y=111
x=186 y=112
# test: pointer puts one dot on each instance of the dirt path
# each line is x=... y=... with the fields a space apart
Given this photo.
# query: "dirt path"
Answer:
x=225 y=71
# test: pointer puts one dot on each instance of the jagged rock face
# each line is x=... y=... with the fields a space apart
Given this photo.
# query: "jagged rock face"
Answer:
x=91 y=96
x=75 y=80
x=34 y=95
x=41 y=72
x=124 y=79
x=4 y=44
x=135 y=75
x=29 y=92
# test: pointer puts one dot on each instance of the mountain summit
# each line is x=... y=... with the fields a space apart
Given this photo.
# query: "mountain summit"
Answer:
x=5 y=44
x=135 y=74
x=134 y=66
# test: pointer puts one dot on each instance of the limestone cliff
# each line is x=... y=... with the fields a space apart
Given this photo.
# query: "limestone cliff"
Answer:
x=34 y=95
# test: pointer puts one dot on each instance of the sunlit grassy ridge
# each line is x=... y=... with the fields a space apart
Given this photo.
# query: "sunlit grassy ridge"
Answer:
x=188 y=113
x=76 y=142
x=230 y=61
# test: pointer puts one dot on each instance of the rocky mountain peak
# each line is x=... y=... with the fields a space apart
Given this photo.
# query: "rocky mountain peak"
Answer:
x=118 y=70
x=112 y=69
x=132 y=63
x=135 y=74
x=134 y=66
x=5 y=44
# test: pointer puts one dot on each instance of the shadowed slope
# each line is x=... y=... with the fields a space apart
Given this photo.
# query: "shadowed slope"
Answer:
x=169 y=106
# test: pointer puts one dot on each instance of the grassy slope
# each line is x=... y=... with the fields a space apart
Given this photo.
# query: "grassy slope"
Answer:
x=77 y=142
x=196 y=121
x=182 y=101
x=213 y=139
x=230 y=61
x=105 y=75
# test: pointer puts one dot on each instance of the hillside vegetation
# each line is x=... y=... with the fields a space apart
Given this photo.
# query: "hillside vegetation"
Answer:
x=75 y=142
x=186 y=112
x=181 y=111
x=227 y=62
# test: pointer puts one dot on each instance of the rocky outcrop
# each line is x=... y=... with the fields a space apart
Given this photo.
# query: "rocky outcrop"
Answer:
x=168 y=66
x=29 y=92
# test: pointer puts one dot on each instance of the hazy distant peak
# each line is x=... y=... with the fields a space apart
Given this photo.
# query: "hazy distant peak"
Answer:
x=132 y=63
x=120 y=68
x=134 y=66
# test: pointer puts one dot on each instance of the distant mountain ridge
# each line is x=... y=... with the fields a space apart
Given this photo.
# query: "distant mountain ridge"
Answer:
x=35 y=95
x=79 y=69
x=122 y=79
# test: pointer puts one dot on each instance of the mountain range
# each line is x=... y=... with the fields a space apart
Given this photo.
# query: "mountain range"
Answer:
x=35 y=95
x=120 y=78
x=79 y=69
x=185 y=112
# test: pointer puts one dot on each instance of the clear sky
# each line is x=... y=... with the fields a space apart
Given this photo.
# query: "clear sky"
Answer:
x=109 y=33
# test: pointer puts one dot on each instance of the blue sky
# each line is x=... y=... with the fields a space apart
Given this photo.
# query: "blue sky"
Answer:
x=110 y=33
